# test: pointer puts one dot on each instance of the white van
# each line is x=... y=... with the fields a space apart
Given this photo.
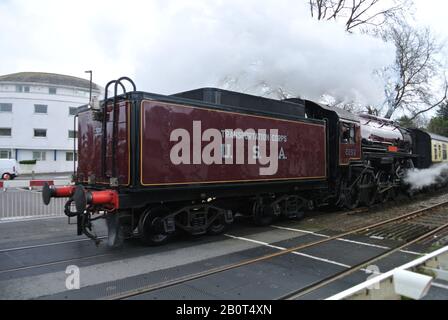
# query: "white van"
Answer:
x=8 y=169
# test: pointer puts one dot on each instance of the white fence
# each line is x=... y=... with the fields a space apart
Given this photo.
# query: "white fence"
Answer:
x=21 y=204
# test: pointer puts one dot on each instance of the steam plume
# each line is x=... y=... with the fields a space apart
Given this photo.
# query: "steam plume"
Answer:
x=421 y=178
x=255 y=46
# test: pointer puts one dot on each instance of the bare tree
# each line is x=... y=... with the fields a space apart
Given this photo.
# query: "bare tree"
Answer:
x=358 y=13
x=341 y=103
x=414 y=73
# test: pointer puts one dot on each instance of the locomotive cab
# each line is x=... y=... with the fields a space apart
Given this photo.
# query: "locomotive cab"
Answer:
x=349 y=142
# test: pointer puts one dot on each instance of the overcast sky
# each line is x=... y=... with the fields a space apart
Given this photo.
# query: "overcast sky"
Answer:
x=170 y=46
x=433 y=13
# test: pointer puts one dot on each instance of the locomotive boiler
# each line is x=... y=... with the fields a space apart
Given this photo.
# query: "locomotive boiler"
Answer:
x=152 y=165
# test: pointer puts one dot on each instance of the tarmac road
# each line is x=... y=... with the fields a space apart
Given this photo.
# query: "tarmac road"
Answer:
x=34 y=256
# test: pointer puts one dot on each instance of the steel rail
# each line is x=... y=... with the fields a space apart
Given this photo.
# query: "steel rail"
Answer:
x=52 y=263
x=317 y=285
x=48 y=244
x=183 y=279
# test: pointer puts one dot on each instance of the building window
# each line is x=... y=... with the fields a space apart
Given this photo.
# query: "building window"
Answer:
x=5 y=107
x=19 y=88
x=39 y=155
x=26 y=89
x=5 y=154
x=72 y=111
x=40 y=133
x=445 y=153
x=40 y=108
x=69 y=156
x=82 y=93
x=5 y=132
x=435 y=152
x=440 y=152
x=72 y=134
x=52 y=90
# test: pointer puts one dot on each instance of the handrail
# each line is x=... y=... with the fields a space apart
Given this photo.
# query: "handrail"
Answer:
x=367 y=284
x=115 y=120
x=104 y=125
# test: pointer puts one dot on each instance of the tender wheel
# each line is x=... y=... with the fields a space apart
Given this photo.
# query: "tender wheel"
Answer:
x=263 y=214
x=218 y=226
x=151 y=226
x=6 y=176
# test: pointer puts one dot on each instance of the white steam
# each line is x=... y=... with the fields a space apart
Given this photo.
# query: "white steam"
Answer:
x=421 y=178
x=263 y=46
x=254 y=46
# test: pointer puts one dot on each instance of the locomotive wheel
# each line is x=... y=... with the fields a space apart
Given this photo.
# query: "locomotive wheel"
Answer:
x=352 y=197
x=369 y=195
x=151 y=226
x=263 y=214
x=391 y=194
x=388 y=195
x=411 y=193
x=383 y=179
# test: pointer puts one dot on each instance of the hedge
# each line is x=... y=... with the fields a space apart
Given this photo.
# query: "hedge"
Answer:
x=27 y=162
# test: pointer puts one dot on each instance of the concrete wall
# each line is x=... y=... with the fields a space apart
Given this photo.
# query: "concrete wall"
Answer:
x=47 y=165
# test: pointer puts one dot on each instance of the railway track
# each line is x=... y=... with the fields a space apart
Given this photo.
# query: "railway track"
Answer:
x=308 y=289
x=429 y=220
x=69 y=260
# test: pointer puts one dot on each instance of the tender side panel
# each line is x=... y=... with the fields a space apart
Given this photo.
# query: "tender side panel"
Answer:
x=304 y=147
x=90 y=141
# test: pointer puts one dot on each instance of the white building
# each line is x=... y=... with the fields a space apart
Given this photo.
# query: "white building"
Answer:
x=36 y=118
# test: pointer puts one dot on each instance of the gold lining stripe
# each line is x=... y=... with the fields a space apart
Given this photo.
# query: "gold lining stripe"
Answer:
x=228 y=181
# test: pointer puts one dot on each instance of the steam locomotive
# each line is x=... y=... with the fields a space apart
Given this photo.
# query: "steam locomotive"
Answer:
x=152 y=165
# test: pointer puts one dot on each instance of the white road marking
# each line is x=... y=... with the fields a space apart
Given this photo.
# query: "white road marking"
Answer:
x=439 y=285
x=52 y=282
x=293 y=252
x=345 y=240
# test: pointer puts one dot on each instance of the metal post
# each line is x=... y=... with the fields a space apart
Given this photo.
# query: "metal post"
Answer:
x=74 y=147
x=90 y=92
